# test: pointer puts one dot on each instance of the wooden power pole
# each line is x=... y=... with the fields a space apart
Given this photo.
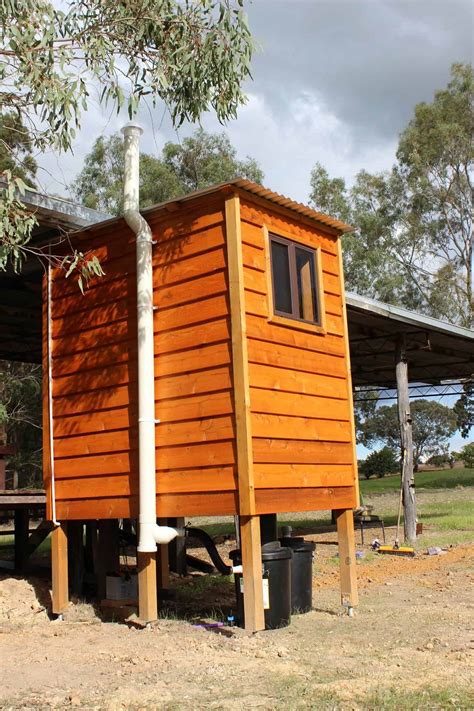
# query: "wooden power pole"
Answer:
x=404 y=415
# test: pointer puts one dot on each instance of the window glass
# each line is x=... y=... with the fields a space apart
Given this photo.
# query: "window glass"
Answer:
x=281 y=277
x=294 y=280
x=306 y=280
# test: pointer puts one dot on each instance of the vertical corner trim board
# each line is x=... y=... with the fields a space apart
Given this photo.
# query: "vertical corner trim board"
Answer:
x=240 y=358
x=250 y=530
x=347 y=358
x=45 y=404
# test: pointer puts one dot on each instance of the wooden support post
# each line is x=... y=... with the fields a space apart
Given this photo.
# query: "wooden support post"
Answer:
x=347 y=559
x=254 y=615
x=59 y=569
x=249 y=522
x=22 y=521
x=108 y=560
x=404 y=416
x=75 y=542
x=147 y=593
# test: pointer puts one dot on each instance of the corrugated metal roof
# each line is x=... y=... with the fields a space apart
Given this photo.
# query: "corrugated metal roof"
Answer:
x=398 y=313
x=266 y=194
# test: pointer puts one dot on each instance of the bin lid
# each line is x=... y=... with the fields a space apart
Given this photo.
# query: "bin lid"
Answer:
x=298 y=544
x=275 y=551
x=270 y=551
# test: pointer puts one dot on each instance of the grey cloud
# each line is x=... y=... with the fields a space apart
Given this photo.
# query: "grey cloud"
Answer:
x=370 y=60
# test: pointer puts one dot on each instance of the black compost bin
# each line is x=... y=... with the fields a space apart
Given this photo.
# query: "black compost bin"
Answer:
x=276 y=562
x=301 y=572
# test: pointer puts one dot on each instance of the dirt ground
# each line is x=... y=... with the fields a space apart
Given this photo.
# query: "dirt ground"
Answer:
x=410 y=645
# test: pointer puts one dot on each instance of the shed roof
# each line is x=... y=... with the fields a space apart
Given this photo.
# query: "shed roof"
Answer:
x=264 y=193
x=437 y=351
x=20 y=294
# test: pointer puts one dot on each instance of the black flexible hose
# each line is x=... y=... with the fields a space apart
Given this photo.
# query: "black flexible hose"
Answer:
x=210 y=546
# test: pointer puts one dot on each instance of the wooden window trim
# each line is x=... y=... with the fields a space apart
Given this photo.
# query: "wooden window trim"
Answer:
x=291 y=321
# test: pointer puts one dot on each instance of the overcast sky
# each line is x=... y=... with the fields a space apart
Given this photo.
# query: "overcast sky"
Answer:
x=334 y=81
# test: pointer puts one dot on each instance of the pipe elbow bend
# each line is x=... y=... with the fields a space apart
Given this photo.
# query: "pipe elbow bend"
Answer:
x=151 y=534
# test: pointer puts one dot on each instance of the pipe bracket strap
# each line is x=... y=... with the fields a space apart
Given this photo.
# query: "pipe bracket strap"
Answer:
x=149 y=419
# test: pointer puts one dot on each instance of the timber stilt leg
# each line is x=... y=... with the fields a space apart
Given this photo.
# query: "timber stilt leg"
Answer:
x=147 y=592
x=347 y=559
x=252 y=573
x=59 y=566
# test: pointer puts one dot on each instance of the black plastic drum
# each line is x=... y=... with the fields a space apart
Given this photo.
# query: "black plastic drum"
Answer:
x=276 y=561
x=301 y=572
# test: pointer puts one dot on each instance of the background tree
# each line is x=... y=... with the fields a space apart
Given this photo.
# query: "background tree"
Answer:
x=436 y=160
x=201 y=160
x=413 y=241
x=205 y=159
x=464 y=410
x=433 y=425
x=467 y=455
x=380 y=463
x=99 y=185
x=20 y=415
x=375 y=264
x=194 y=56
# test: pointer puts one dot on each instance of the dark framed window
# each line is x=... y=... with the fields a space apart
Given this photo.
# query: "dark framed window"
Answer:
x=294 y=280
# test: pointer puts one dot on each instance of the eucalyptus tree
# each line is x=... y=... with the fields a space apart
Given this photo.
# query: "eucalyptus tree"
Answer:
x=199 y=161
x=15 y=148
x=413 y=239
x=194 y=56
x=433 y=426
x=436 y=160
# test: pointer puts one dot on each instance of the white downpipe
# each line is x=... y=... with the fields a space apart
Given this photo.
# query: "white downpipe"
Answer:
x=50 y=399
x=149 y=532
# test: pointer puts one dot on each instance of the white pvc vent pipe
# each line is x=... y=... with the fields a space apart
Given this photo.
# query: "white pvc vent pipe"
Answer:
x=149 y=532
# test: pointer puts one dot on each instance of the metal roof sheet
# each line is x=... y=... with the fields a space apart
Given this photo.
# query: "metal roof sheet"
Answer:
x=398 y=313
x=258 y=190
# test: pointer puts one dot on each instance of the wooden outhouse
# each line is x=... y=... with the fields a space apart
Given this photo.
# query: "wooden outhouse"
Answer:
x=252 y=375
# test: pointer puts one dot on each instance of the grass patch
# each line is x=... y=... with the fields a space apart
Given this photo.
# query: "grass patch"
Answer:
x=442 y=479
x=203 y=584
x=227 y=528
x=294 y=694
x=395 y=699
x=449 y=516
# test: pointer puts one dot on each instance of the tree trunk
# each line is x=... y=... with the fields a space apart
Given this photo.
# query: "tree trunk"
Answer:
x=404 y=415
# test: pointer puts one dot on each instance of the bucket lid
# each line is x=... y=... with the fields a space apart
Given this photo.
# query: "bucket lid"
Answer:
x=270 y=551
x=275 y=551
x=298 y=544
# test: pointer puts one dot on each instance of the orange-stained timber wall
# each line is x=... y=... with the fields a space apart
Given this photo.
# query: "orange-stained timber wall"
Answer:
x=301 y=419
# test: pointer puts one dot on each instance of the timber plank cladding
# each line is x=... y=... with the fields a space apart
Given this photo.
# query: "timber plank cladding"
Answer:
x=253 y=396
